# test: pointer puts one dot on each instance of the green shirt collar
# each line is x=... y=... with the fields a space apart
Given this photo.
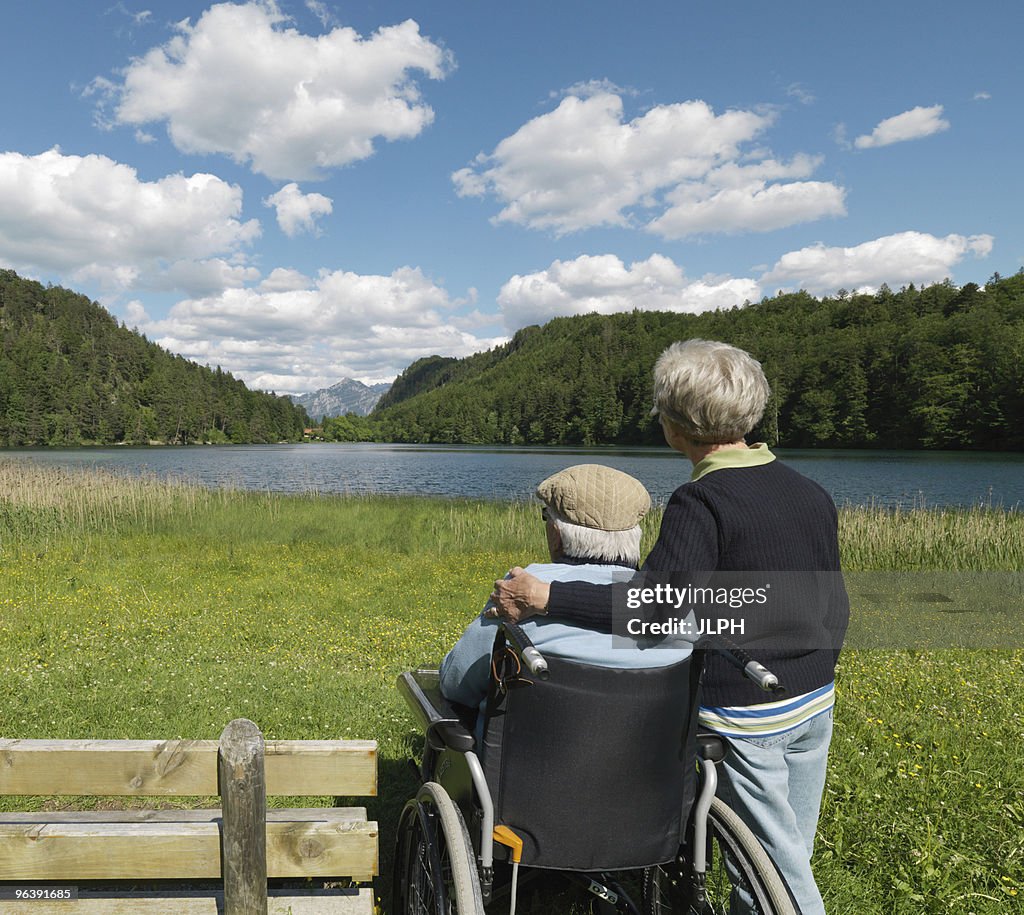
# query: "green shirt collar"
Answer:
x=752 y=456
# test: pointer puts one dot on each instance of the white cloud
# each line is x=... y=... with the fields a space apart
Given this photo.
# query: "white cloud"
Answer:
x=982 y=96
x=294 y=333
x=589 y=87
x=604 y=284
x=582 y=165
x=740 y=198
x=137 y=18
x=206 y=277
x=320 y=10
x=282 y=279
x=907 y=257
x=92 y=219
x=135 y=313
x=910 y=125
x=241 y=82
x=800 y=93
x=298 y=212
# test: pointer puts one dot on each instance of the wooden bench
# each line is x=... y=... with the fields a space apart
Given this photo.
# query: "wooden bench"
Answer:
x=239 y=845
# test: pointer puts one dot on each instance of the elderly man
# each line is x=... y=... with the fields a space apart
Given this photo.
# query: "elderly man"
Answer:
x=741 y=511
x=592 y=519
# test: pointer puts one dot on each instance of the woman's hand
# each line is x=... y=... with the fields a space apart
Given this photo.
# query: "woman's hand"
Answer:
x=518 y=596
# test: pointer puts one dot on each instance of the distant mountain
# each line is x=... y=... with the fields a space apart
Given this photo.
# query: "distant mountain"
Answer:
x=347 y=396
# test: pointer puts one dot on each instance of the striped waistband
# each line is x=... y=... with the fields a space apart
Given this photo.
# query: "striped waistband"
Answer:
x=768 y=719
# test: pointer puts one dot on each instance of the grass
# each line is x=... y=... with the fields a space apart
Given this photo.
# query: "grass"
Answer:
x=146 y=609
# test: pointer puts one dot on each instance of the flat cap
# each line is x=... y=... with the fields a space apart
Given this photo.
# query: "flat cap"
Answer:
x=596 y=496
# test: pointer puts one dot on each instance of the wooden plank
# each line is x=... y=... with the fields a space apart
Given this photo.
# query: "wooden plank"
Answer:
x=113 y=767
x=77 y=851
x=325 y=849
x=312 y=768
x=243 y=791
x=153 y=768
x=173 y=815
x=62 y=852
x=280 y=902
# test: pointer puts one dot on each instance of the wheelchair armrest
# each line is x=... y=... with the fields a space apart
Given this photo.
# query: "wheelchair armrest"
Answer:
x=710 y=746
x=453 y=735
x=436 y=715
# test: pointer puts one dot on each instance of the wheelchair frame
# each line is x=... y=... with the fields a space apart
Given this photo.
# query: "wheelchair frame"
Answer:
x=460 y=864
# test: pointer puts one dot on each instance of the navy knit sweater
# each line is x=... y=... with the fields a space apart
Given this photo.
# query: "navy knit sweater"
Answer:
x=765 y=518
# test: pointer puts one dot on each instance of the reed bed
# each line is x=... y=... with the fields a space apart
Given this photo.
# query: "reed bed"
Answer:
x=929 y=539
x=38 y=500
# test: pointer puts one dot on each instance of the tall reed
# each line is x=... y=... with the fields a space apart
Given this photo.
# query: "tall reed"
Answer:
x=968 y=539
x=38 y=501
x=42 y=501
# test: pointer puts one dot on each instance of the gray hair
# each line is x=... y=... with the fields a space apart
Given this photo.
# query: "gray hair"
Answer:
x=579 y=542
x=714 y=392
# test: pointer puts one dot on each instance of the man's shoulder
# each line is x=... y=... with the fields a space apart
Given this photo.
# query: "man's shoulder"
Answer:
x=596 y=573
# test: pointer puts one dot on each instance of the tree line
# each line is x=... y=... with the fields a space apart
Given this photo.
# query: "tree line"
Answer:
x=934 y=367
x=939 y=366
x=70 y=374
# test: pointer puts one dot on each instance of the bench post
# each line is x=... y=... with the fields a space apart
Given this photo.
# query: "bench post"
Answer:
x=243 y=791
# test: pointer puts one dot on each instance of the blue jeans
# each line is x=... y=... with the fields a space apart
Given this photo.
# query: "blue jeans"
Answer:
x=775 y=785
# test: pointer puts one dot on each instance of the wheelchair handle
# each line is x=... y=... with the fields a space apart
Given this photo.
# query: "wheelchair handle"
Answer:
x=752 y=670
x=532 y=658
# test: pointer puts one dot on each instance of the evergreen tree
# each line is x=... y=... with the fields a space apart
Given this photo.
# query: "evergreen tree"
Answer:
x=70 y=374
x=919 y=368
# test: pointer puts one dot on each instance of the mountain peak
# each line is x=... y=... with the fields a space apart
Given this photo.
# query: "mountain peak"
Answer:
x=345 y=396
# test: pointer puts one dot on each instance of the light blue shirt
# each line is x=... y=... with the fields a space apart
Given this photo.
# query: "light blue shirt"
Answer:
x=466 y=669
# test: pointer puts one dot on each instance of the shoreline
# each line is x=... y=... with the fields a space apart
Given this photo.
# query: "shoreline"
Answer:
x=19 y=476
x=899 y=481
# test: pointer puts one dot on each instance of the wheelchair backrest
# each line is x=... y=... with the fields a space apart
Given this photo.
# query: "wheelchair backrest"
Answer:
x=595 y=767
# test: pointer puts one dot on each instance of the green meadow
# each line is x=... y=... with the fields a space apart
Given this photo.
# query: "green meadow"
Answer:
x=149 y=609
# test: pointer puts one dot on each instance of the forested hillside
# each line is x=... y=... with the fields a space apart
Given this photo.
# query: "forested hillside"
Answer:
x=936 y=367
x=70 y=374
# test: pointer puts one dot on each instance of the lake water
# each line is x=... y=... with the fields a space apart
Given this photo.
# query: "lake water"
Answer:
x=890 y=478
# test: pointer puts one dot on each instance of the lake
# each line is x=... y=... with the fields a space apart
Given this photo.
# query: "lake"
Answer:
x=890 y=478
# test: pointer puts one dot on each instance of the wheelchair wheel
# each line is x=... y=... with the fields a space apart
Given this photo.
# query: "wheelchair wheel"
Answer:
x=736 y=864
x=435 y=869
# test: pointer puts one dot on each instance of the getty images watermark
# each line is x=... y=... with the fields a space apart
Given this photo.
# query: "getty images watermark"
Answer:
x=807 y=611
x=664 y=597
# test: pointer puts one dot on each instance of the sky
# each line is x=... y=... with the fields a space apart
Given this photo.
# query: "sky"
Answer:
x=305 y=190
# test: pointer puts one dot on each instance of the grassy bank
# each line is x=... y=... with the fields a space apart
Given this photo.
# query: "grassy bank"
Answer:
x=146 y=609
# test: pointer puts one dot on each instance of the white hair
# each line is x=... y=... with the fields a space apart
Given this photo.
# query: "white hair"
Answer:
x=714 y=392
x=579 y=542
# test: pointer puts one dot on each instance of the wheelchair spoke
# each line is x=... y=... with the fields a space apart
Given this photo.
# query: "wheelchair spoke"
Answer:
x=740 y=876
x=429 y=879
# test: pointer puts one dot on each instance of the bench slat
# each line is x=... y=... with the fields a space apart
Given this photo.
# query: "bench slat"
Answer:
x=318 y=767
x=149 y=768
x=280 y=902
x=69 y=851
x=204 y=815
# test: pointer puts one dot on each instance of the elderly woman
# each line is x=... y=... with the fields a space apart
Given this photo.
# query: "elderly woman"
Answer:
x=741 y=511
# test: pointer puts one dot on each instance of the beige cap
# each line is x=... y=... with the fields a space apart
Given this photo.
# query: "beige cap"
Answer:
x=596 y=496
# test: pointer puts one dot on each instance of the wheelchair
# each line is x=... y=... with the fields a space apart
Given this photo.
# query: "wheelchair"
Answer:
x=596 y=774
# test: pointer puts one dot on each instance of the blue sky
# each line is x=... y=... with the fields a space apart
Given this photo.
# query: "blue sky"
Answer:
x=306 y=190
